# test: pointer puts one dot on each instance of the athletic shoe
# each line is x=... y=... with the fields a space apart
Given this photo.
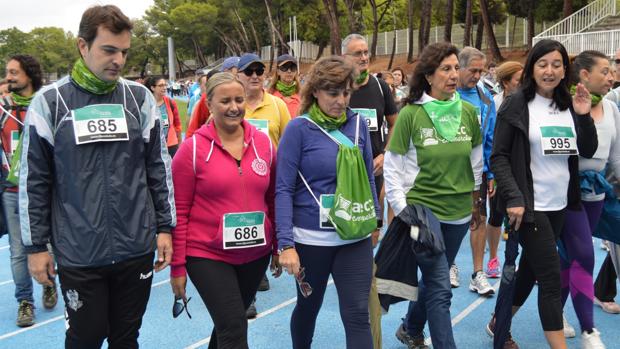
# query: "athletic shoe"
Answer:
x=509 y=343
x=480 y=285
x=25 y=314
x=50 y=296
x=410 y=341
x=251 y=313
x=493 y=268
x=608 y=307
x=569 y=331
x=454 y=276
x=591 y=340
x=264 y=284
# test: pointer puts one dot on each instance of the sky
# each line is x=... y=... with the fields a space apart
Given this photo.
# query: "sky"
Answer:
x=29 y=14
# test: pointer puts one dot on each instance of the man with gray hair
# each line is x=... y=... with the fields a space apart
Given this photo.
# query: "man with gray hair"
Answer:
x=372 y=100
x=470 y=88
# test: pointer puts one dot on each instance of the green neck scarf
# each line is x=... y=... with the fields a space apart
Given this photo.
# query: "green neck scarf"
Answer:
x=445 y=115
x=362 y=77
x=596 y=98
x=21 y=100
x=325 y=121
x=286 y=90
x=89 y=81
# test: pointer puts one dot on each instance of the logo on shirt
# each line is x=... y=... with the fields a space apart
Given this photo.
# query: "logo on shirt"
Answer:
x=73 y=300
x=146 y=276
x=428 y=136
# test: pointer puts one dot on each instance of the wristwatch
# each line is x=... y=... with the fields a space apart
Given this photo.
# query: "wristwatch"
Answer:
x=280 y=250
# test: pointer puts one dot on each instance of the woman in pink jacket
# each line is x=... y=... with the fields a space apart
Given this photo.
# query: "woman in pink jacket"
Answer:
x=224 y=192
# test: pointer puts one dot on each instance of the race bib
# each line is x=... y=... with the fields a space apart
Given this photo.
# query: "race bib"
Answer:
x=370 y=115
x=14 y=141
x=327 y=203
x=100 y=123
x=243 y=230
x=558 y=140
x=261 y=124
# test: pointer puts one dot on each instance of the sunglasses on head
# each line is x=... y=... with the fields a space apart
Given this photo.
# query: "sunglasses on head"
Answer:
x=288 y=67
x=304 y=287
x=179 y=305
x=249 y=71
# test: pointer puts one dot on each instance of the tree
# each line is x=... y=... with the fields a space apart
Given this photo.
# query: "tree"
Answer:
x=425 y=25
x=567 y=9
x=468 y=23
x=484 y=11
x=331 y=9
x=376 y=19
x=447 y=33
x=410 y=30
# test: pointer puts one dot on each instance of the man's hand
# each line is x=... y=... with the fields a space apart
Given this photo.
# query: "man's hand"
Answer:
x=178 y=286
x=491 y=188
x=41 y=267
x=515 y=216
x=164 y=251
x=378 y=165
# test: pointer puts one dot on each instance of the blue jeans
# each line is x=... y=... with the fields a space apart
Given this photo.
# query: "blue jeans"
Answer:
x=434 y=291
x=19 y=258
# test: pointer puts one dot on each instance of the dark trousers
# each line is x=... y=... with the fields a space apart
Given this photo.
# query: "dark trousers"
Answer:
x=351 y=267
x=227 y=290
x=605 y=285
x=540 y=262
x=106 y=301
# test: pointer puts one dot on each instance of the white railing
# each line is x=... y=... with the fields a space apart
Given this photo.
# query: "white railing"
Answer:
x=604 y=41
x=581 y=20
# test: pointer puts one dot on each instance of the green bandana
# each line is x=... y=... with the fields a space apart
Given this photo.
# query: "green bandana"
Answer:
x=325 y=121
x=21 y=100
x=286 y=90
x=445 y=115
x=362 y=77
x=89 y=81
x=596 y=98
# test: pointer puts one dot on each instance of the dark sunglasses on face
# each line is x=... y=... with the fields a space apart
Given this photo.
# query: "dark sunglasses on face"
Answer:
x=249 y=72
x=288 y=67
x=179 y=305
x=304 y=287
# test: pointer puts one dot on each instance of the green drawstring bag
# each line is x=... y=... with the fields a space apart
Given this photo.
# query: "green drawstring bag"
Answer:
x=13 y=176
x=353 y=213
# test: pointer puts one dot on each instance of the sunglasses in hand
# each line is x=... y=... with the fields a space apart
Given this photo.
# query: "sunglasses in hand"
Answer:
x=179 y=305
x=304 y=287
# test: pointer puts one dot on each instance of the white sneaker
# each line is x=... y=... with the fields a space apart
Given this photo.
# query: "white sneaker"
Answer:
x=454 y=276
x=569 y=331
x=480 y=285
x=591 y=340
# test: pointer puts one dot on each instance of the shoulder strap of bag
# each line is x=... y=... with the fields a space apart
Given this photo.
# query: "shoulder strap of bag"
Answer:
x=378 y=83
x=336 y=136
x=485 y=100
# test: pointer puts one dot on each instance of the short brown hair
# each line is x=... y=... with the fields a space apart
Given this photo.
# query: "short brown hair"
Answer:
x=327 y=73
x=108 y=16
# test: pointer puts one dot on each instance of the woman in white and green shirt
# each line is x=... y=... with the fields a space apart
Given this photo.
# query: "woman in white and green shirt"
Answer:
x=434 y=159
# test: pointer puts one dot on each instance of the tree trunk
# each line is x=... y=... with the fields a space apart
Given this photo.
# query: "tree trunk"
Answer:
x=198 y=51
x=468 y=22
x=350 y=4
x=244 y=35
x=393 y=41
x=530 y=24
x=484 y=12
x=274 y=30
x=479 y=33
x=410 y=30
x=425 y=25
x=145 y=62
x=376 y=19
x=256 y=42
x=447 y=32
x=567 y=8
x=334 y=28
x=428 y=22
x=321 y=49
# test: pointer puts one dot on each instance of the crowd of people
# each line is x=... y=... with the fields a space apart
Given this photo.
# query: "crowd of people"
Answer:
x=101 y=188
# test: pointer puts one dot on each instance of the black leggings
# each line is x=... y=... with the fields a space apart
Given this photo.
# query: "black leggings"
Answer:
x=540 y=261
x=227 y=290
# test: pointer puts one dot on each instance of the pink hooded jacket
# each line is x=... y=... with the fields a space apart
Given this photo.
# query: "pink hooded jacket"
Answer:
x=208 y=184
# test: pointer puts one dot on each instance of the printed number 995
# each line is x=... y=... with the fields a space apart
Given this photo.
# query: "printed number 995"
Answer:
x=559 y=143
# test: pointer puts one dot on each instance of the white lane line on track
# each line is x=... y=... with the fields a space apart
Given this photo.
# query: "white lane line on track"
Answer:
x=258 y=316
x=15 y=333
x=6 y=282
x=463 y=314
x=4 y=247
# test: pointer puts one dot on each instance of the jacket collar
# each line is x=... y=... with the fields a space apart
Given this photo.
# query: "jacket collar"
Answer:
x=514 y=110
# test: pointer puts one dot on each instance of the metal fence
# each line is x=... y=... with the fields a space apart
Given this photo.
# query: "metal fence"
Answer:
x=604 y=41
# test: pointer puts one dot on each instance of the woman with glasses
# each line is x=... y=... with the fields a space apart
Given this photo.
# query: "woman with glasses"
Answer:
x=224 y=191
x=539 y=134
x=285 y=83
x=434 y=159
x=169 y=112
x=268 y=113
x=309 y=246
